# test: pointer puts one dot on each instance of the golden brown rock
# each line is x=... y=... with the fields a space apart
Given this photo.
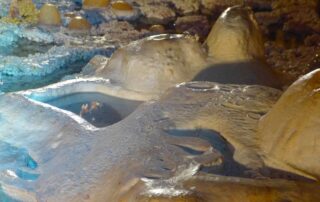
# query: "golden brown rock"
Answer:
x=123 y=10
x=95 y=3
x=289 y=133
x=236 y=36
x=49 y=15
x=79 y=23
x=121 y=6
x=157 y=28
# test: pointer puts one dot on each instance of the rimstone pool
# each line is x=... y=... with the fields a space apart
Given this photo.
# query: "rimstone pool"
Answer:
x=98 y=109
x=153 y=101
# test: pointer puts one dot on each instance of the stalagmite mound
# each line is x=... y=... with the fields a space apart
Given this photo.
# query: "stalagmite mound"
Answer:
x=79 y=23
x=49 y=15
x=236 y=36
x=236 y=49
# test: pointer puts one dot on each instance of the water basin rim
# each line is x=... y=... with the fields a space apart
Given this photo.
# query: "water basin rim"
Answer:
x=84 y=85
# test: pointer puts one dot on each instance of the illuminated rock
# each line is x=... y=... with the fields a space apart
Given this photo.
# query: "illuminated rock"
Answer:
x=236 y=36
x=155 y=63
x=289 y=133
x=236 y=49
x=123 y=10
x=95 y=3
x=79 y=23
x=157 y=28
x=49 y=15
x=121 y=6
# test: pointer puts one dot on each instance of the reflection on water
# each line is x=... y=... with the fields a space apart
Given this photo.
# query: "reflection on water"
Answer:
x=98 y=109
x=17 y=83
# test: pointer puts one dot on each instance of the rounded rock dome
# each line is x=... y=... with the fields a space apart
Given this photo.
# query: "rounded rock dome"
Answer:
x=49 y=15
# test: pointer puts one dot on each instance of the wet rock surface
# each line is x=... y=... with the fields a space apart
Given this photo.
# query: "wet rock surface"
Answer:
x=212 y=131
x=131 y=125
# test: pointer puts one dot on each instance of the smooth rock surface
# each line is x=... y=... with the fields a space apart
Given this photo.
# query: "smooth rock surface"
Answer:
x=289 y=133
x=155 y=63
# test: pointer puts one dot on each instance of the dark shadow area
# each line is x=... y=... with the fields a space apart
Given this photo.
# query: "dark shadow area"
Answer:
x=247 y=73
x=231 y=167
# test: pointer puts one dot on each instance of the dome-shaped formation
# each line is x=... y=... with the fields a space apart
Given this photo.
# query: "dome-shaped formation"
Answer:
x=236 y=36
x=49 y=15
x=79 y=23
x=153 y=64
x=122 y=9
x=121 y=5
x=157 y=28
x=95 y=3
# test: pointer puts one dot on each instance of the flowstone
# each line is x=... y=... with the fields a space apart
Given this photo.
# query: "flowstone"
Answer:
x=93 y=139
x=161 y=150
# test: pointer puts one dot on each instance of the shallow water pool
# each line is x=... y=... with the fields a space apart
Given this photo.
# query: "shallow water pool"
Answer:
x=98 y=109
